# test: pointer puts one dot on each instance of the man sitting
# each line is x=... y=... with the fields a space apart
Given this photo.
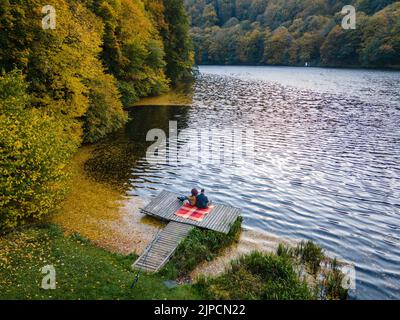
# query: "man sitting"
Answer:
x=202 y=201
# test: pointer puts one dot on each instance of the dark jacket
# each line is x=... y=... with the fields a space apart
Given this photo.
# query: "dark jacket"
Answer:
x=202 y=201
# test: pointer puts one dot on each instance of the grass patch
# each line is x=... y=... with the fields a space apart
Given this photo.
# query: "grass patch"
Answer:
x=279 y=276
x=257 y=276
x=331 y=285
x=308 y=253
x=83 y=271
x=198 y=246
x=311 y=255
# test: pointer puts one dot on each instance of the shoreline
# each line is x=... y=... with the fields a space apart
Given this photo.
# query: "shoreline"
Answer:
x=394 y=68
x=170 y=98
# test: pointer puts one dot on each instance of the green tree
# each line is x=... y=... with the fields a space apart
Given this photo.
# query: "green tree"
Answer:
x=177 y=42
x=372 y=6
x=210 y=17
x=341 y=47
x=276 y=47
x=381 y=38
x=59 y=64
x=309 y=47
x=105 y=113
x=314 y=32
x=251 y=47
x=133 y=50
x=34 y=149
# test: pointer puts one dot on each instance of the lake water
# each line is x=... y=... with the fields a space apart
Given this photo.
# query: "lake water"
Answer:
x=320 y=158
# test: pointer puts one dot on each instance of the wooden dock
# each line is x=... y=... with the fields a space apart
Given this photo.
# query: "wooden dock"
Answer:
x=164 y=206
x=160 y=250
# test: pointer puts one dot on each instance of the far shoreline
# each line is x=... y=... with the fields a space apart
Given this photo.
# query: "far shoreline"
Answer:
x=394 y=68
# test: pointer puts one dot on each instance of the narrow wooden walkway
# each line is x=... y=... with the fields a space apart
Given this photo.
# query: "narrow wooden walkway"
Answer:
x=165 y=205
x=160 y=250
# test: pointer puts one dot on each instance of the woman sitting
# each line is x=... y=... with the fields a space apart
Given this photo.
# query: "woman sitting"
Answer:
x=191 y=199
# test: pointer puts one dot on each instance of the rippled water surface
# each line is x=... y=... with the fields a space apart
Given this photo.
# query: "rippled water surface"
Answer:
x=326 y=162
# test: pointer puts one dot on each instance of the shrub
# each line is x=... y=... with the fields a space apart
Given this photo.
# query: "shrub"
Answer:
x=332 y=285
x=258 y=276
x=105 y=113
x=277 y=277
x=285 y=251
x=33 y=153
x=311 y=255
x=201 y=245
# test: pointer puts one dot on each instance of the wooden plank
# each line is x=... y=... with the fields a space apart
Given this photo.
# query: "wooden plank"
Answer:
x=162 y=247
x=150 y=206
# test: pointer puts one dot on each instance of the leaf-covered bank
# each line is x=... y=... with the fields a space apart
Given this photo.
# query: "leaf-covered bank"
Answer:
x=83 y=271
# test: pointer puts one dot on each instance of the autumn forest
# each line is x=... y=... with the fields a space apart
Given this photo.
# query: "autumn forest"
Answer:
x=67 y=86
x=64 y=86
x=293 y=32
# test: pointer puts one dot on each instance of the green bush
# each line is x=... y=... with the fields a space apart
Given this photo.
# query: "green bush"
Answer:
x=33 y=153
x=200 y=245
x=105 y=113
x=332 y=285
x=277 y=277
x=257 y=276
x=311 y=255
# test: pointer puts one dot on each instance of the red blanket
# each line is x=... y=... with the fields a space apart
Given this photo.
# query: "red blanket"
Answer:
x=192 y=212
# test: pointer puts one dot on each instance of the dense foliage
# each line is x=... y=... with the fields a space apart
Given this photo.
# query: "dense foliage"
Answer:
x=34 y=149
x=293 y=32
x=72 y=82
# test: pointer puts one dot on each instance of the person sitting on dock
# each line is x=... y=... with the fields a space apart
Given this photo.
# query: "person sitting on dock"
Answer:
x=191 y=199
x=202 y=201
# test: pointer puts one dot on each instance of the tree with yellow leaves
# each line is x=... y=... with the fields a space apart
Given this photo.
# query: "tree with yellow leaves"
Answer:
x=34 y=148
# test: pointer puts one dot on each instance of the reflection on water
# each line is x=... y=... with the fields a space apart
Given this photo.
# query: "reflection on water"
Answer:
x=326 y=166
x=115 y=158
